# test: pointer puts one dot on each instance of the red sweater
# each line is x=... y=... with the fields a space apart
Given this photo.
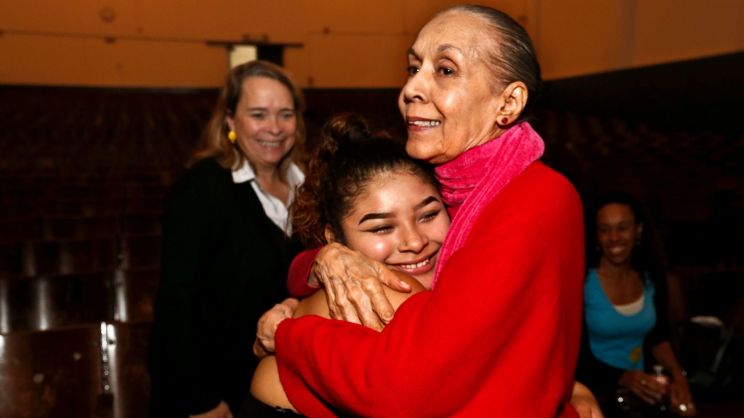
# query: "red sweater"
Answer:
x=498 y=336
x=299 y=271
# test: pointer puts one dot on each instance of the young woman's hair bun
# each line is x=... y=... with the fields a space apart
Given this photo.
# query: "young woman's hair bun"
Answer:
x=343 y=130
x=348 y=156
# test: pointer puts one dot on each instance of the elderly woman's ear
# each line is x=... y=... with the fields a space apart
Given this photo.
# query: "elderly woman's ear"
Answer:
x=514 y=99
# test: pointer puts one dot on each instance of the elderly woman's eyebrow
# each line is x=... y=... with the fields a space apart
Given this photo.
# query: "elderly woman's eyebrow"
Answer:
x=445 y=47
x=441 y=48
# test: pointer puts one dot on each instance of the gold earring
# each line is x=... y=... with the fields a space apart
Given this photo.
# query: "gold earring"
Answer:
x=232 y=136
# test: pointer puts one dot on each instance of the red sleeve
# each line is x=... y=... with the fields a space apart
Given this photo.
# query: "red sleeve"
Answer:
x=299 y=271
x=498 y=335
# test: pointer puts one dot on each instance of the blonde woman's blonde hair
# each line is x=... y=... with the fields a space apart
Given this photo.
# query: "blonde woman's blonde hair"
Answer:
x=214 y=142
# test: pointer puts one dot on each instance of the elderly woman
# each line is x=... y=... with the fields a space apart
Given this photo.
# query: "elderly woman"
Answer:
x=499 y=333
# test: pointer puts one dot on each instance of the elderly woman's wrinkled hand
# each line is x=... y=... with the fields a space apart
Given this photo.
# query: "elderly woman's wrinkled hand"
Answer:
x=268 y=323
x=354 y=283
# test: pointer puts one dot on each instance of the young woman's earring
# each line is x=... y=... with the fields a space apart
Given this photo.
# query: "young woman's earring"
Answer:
x=504 y=120
x=232 y=136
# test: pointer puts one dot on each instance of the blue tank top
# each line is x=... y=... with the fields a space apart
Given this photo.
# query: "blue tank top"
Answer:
x=614 y=338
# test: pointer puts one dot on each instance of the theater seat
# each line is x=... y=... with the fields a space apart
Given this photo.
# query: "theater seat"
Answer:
x=141 y=223
x=20 y=228
x=69 y=256
x=80 y=228
x=129 y=379
x=52 y=374
x=134 y=294
x=140 y=251
x=11 y=259
x=50 y=302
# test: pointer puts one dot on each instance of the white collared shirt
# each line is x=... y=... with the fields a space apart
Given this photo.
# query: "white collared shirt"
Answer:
x=273 y=207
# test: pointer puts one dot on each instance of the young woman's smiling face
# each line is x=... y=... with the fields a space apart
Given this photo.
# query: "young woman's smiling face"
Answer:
x=400 y=221
x=617 y=232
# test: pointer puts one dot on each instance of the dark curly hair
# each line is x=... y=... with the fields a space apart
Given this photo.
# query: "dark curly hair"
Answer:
x=348 y=157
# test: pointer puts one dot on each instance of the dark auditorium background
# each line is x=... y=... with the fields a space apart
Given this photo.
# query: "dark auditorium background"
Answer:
x=102 y=102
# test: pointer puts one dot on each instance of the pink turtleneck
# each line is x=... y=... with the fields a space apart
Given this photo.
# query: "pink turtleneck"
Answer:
x=466 y=190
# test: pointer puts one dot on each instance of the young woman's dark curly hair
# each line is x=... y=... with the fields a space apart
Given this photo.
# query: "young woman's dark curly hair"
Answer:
x=349 y=155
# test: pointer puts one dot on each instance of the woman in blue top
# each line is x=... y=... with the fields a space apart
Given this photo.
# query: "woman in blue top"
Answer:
x=625 y=316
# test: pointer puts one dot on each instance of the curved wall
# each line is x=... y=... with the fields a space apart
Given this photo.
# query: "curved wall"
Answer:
x=346 y=43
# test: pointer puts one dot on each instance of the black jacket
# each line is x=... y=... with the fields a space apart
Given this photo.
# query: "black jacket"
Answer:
x=224 y=264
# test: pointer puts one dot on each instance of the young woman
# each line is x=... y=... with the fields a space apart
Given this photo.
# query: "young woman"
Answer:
x=625 y=316
x=363 y=191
